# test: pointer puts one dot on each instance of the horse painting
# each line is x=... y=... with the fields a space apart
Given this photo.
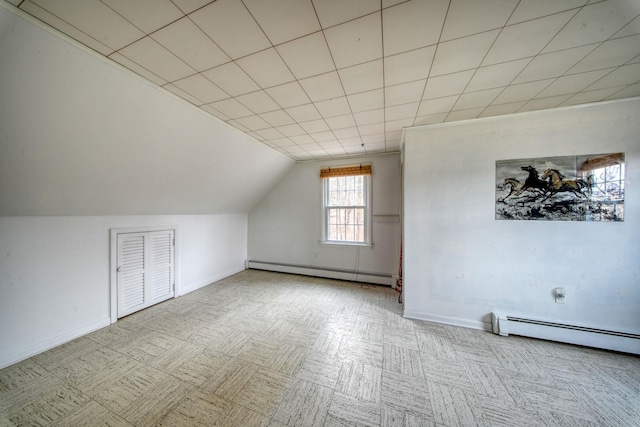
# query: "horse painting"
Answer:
x=533 y=181
x=557 y=183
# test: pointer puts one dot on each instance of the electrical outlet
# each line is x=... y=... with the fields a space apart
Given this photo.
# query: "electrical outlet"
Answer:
x=559 y=295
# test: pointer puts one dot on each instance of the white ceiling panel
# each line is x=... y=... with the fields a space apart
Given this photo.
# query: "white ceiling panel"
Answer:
x=333 y=74
x=232 y=79
x=137 y=12
x=466 y=17
x=231 y=26
x=307 y=56
x=363 y=77
x=408 y=66
x=526 y=39
x=462 y=54
x=301 y=18
x=266 y=68
x=185 y=40
x=412 y=25
x=356 y=41
x=154 y=57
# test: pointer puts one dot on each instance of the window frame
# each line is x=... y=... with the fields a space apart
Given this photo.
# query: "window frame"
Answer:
x=367 y=213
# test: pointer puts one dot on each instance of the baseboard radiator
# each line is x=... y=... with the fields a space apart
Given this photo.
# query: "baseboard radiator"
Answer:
x=504 y=324
x=327 y=272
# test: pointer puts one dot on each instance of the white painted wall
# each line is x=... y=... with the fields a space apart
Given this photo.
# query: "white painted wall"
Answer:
x=54 y=271
x=99 y=148
x=286 y=226
x=461 y=263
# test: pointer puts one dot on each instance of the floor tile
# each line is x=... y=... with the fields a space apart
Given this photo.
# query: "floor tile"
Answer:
x=360 y=380
x=305 y=404
x=354 y=410
x=402 y=360
x=263 y=391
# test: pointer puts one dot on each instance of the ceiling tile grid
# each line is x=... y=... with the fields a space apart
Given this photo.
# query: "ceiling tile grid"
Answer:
x=319 y=79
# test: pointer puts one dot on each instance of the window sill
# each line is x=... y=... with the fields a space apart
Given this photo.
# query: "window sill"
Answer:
x=332 y=243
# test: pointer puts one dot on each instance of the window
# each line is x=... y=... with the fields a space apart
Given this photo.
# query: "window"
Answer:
x=346 y=204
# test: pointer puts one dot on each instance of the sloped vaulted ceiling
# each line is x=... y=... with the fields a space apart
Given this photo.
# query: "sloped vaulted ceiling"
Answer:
x=334 y=78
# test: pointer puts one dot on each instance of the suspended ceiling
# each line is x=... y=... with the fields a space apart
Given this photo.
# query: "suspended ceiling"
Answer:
x=334 y=78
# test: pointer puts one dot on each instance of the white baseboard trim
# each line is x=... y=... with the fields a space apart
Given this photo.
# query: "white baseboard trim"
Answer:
x=454 y=321
x=329 y=273
x=202 y=284
x=52 y=342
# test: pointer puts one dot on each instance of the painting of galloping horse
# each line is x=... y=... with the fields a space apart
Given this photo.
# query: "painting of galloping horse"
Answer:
x=567 y=188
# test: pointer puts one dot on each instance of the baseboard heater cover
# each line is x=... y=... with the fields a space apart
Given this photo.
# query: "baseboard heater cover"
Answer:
x=328 y=272
x=503 y=324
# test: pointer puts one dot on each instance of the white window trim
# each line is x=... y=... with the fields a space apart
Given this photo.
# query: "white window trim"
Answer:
x=367 y=216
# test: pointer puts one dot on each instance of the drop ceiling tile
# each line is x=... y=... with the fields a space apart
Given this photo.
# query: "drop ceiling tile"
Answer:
x=332 y=143
x=625 y=75
x=408 y=66
x=66 y=28
x=230 y=26
x=502 y=109
x=269 y=133
x=209 y=109
x=413 y=25
x=362 y=77
x=396 y=125
x=450 y=84
x=336 y=152
x=184 y=95
x=95 y=19
x=431 y=119
x=498 y=75
x=632 y=28
x=288 y=95
x=462 y=54
x=399 y=112
x=281 y=142
x=522 y=92
x=155 y=58
x=238 y=126
x=477 y=99
x=369 y=117
x=365 y=101
x=346 y=132
x=266 y=68
x=472 y=17
x=323 y=87
x=302 y=139
x=553 y=64
x=532 y=9
x=347 y=142
x=185 y=40
x=455 y=116
x=303 y=113
x=382 y=147
x=356 y=41
x=572 y=84
x=284 y=20
x=315 y=126
x=291 y=130
x=355 y=150
x=341 y=122
x=137 y=12
x=188 y=6
x=634 y=60
x=589 y=96
x=253 y=123
x=258 y=102
x=594 y=23
x=393 y=135
x=403 y=93
x=277 y=118
x=334 y=12
x=127 y=63
x=323 y=136
x=201 y=88
x=627 y=92
x=333 y=107
x=543 y=103
x=610 y=53
x=307 y=56
x=232 y=108
x=312 y=146
x=526 y=39
x=232 y=79
x=437 y=105
x=15 y=2
x=374 y=138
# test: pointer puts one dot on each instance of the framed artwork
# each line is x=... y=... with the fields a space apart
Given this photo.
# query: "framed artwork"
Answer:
x=567 y=188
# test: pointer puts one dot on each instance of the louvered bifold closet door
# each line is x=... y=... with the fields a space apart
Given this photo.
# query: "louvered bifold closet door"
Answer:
x=145 y=269
x=161 y=269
